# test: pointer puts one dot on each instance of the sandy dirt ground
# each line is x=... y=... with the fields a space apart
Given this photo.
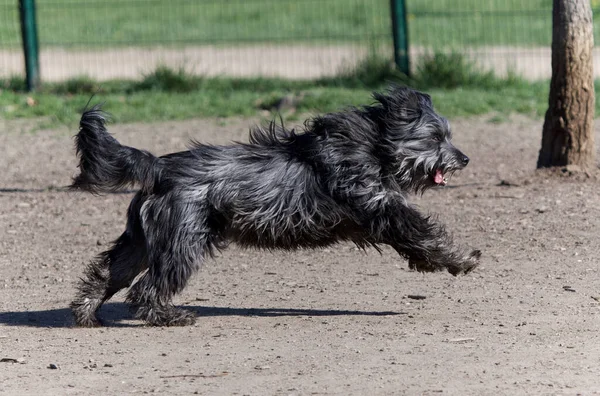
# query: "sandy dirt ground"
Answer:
x=330 y=322
x=289 y=61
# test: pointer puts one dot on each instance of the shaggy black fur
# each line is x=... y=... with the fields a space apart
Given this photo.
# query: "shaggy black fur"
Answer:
x=345 y=177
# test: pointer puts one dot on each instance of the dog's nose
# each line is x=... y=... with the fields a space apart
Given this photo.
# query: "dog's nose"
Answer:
x=465 y=160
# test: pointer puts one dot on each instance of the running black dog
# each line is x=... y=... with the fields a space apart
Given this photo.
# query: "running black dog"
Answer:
x=345 y=177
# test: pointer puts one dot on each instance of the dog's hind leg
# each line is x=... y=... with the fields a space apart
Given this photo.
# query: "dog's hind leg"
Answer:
x=151 y=302
x=150 y=297
x=112 y=271
x=178 y=239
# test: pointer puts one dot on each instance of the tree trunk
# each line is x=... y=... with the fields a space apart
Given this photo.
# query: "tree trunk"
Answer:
x=568 y=136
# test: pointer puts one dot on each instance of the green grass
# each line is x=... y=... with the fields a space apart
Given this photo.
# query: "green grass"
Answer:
x=432 y=23
x=460 y=23
x=437 y=23
x=151 y=106
x=116 y=22
x=458 y=89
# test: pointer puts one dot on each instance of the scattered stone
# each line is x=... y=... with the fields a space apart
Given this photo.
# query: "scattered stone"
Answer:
x=509 y=183
x=416 y=297
x=462 y=340
x=568 y=288
x=368 y=274
x=12 y=360
x=201 y=375
x=542 y=209
x=53 y=366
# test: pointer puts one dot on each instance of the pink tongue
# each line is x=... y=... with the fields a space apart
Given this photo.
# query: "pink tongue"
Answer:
x=439 y=177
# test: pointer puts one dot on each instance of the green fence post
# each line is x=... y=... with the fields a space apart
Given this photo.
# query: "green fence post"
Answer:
x=30 y=43
x=400 y=34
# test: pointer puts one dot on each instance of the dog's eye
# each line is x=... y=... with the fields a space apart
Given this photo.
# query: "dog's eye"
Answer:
x=437 y=138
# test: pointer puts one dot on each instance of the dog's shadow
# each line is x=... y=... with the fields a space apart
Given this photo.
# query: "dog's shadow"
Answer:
x=118 y=315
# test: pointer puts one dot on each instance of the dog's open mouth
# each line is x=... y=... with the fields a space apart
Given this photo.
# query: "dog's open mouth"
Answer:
x=439 y=178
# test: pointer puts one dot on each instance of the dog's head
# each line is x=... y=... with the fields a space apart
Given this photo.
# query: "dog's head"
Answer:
x=418 y=139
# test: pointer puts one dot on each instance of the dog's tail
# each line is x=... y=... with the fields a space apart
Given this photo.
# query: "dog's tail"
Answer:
x=105 y=165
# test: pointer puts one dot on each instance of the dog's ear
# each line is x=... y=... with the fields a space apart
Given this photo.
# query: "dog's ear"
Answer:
x=425 y=99
x=403 y=102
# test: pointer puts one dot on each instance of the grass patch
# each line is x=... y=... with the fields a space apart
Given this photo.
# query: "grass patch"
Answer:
x=460 y=23
x=370 y=72
x=454 y=70
x=117 y=23
x=450 y=71
x=458 y=88
x=432 y=23
x=168 y=80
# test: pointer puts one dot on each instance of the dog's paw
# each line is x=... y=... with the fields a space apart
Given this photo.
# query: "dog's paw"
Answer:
x=475 y=254
x=182 y=317
x=91 y=321
x=84 y=313
x=170 y=316
x=468 y=264
x=421 y=265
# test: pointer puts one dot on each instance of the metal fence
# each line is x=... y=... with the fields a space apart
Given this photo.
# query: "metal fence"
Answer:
x=107 y=39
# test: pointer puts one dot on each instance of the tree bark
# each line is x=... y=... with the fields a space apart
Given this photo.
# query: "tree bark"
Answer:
x=568 y=136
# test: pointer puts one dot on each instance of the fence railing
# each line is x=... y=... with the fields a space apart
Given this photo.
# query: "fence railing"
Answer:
x=109 y=39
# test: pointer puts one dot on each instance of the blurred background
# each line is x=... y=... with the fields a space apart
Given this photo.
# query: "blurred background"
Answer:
x=297 y=39
x=125 y=46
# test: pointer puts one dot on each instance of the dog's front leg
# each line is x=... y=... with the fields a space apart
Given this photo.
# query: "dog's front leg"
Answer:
x=424 y=242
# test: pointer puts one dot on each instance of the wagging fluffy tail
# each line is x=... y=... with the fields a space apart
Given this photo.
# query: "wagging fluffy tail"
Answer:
x=105 y=164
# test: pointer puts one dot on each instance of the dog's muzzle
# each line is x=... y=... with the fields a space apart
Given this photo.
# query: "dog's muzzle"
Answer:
x=440 y=174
